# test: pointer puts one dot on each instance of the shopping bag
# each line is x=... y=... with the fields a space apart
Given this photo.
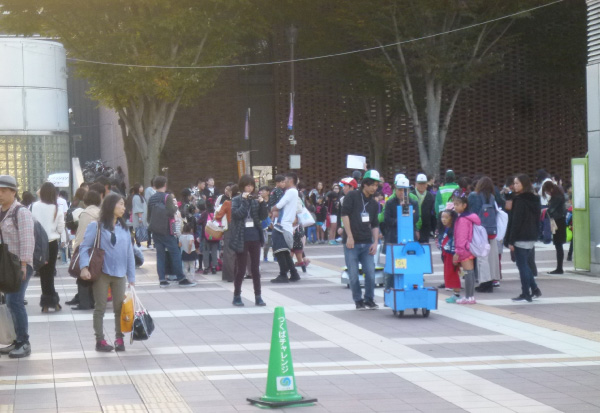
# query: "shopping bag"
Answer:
x=305 y=218
x=10 y=269
x=143 y=325
x=127 y=313
x=501 y=223
x=141 y=234
x=7 y=328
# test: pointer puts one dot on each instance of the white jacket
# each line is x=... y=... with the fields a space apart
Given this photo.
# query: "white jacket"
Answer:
x=53 y=224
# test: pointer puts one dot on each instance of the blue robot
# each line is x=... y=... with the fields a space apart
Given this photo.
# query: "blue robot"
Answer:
x=407 y=261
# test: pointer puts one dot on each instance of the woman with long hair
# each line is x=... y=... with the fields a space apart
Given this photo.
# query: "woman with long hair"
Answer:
x=557 y=211
x=119 y=263
x=229 y=259
x=522 y=233
x=139 y=212
x=47 y=212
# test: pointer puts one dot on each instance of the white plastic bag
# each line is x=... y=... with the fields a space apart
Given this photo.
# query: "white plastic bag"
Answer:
x=501 y=223
x=7 y=328
x=305 y=218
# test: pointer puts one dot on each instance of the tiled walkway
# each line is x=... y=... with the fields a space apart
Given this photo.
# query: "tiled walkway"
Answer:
x=207 y=356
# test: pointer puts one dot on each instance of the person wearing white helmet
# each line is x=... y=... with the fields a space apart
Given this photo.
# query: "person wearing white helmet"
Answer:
x=400 y=196
x=361 y=237
x=426 y=202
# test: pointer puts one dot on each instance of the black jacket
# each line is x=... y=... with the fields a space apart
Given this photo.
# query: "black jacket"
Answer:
x=239 y=212
x=391 y=218
x=524 y=219
x=426 y=211
x=556 y=207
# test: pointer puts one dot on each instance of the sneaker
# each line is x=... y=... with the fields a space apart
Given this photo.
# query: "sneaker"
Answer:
x=360 y=305
x=237 y=301
x=338 y=240
x=463 y=301
x=213 y=271
x=333 y=242
x=370 y=304
x=258 y=301
x=164 y=284
x=205 y=272
x=280 y=279
x=496 y=283
x=555 y=272
x=265 y=259
x=471 y=300
x=119 y=345
x=199 y=270
x=21 y=350
x=452 y=300
x=103 y=346
x=537 y=293
x=522 y=298
x=442 y=285
x=8 y=349
x=295 y=278
x=186 y=283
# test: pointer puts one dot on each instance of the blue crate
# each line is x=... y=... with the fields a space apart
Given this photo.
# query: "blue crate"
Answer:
x=401 y=300
x=410 y=257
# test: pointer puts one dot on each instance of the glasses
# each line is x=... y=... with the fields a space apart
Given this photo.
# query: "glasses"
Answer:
x=113 y=239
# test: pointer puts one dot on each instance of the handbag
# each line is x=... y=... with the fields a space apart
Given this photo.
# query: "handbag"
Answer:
x=7 y=328
x=143 y=325
x=141 y=234
x=214 y=229
x=127 y=313
x=305 y=218
x=96 y=260
x=553 y=226
x=10 y=269
x=501 y=222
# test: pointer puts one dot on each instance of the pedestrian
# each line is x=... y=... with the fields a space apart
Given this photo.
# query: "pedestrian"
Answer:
x=16 y=226
x=463 y=235
x=426 y=203
x=285 y=211
x=161 y=211
x=211 y=246
x=557 y=211
x=445 y=192
x=522 y=233
x=311 y=230
x=446 y=245
x=267 y=223
x=318 y=191
x=361 y=238
x=188 y=251
x=147 y=195
x=348 y=184
x=482 y=202
x=247 y=238
x=139 y=214
x=47 y=212
x=332 y=200
x=228 y=256
x=321 y=214
x=118 y=267
x=210 y=191
x=399 y=197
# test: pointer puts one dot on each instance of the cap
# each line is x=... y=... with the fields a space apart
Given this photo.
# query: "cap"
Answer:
x=450 y=176
x=349 y=181
x=421 y=178
x=401 y=181
x=7 y=181
x=372 y=174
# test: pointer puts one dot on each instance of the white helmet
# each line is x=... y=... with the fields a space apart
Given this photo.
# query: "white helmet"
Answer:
x=401 y=181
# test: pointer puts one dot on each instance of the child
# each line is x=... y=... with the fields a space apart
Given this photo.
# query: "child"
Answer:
x=463 y=234
x=446 y=244
x=210 y=246
x=188 y=251
x=321 y=214
x=298 y=248
x=199 y=233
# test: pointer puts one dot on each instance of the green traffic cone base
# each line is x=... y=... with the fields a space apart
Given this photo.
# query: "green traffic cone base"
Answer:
x=281 y=381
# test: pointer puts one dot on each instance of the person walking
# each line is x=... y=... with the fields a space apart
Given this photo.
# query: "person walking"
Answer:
x=247 y=237
x=229 y=256
x=16 y=226
x=151 y=190
x=522 y=233
x=426 y=207
x=285 y=212
x=361 y=237
x=47 y=212
x=118 y=267
x=557 y=210
x=161 y=210
x=139 y=214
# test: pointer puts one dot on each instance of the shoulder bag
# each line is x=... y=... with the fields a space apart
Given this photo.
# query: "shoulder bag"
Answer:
x=96 y=259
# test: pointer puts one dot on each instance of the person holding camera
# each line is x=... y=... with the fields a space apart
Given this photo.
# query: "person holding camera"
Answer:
x=247 y=237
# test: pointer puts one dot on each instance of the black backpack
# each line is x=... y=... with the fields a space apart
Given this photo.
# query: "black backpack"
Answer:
x=487 y=214
x=159 y=218
x=70 y=223
x=40 y=252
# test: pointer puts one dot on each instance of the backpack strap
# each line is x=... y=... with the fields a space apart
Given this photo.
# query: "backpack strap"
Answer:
x=15 y=217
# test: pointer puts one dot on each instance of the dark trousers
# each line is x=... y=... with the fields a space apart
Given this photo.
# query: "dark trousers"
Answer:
x=286 y=264
x=558 y=239
x=49 y=297
x=252 y=250
x=531 y=262
x=424 y=234
x=85 y=294
x=149 y=238
x=528 y=284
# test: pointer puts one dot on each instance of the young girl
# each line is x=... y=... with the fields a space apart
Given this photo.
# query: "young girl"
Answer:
x=463 y=234
x=446 y=244
x=188 y=251
x=321 y=214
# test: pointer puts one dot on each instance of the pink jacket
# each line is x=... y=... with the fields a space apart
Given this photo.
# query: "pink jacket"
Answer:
x=463 y=234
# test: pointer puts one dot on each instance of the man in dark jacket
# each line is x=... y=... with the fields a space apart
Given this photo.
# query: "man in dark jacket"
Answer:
x=426 y=202
x=161 y=209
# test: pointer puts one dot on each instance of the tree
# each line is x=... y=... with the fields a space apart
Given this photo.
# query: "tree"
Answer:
x=171 y=33
x=432 y=72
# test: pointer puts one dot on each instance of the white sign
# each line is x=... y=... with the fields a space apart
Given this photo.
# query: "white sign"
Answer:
x=356 y=162
x=285 y=383
x=579 y=195
x=60 y=180
x=294 y=161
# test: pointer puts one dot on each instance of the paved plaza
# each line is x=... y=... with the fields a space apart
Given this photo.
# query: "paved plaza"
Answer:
x=207 y=356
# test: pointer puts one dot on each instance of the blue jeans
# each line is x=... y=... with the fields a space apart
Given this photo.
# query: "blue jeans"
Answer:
x=311 y=233
x=14 y=302
x=528 y=284
x=167 y=242
x=353 y=256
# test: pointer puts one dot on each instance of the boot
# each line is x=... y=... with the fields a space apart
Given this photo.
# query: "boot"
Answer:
x=237 y=301
x=258 y=301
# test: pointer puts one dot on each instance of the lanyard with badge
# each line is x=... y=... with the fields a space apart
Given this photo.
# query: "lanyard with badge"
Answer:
x=364 y=216
x=249 y=220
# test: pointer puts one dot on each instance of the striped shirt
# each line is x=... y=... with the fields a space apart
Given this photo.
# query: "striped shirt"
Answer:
x=20 y=242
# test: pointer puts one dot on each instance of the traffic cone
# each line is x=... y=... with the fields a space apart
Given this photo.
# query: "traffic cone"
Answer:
x=281 y=381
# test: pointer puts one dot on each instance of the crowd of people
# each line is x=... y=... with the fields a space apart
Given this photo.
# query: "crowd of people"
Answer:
x=208 y=230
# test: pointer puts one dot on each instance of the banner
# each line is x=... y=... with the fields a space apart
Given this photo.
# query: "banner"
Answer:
x=243 y=163
x=60 y=180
